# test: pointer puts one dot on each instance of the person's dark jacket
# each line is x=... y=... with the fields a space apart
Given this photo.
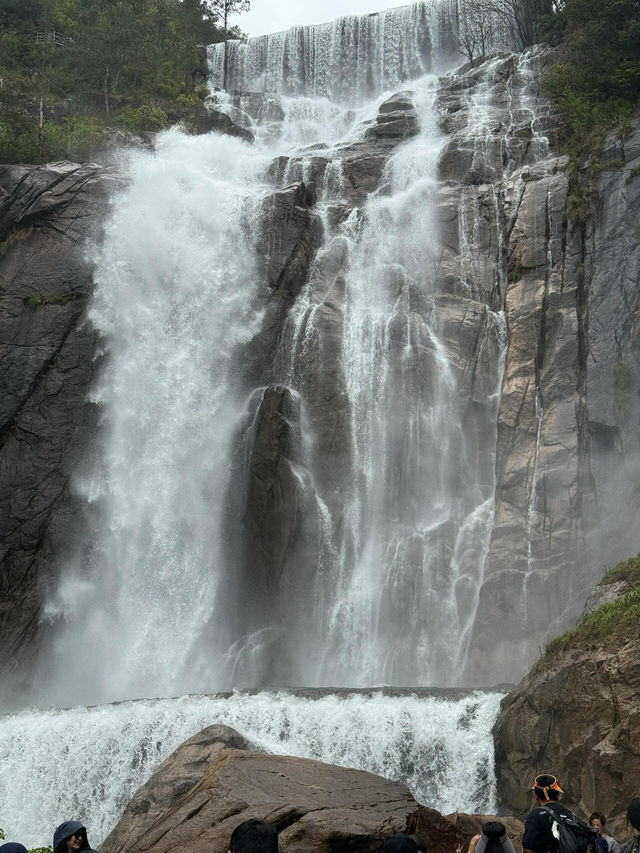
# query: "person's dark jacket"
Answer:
x=66 y=829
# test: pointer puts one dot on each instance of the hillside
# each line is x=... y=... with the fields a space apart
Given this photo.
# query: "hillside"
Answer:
x=72 y=72
x=577 y=713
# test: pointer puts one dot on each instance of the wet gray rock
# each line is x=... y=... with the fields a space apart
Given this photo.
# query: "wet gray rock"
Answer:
x=176 y=776
x=394 y=125
x=396 y=119
x=314 y=806
x=222 y=123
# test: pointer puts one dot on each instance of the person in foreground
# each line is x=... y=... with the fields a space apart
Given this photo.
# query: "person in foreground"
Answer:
x=254 y=836
x=71 y=837
x=598 y=821
x=12 y=847
x=538 y=833
x=403 y=842
x=633 y=818
x=493 y=839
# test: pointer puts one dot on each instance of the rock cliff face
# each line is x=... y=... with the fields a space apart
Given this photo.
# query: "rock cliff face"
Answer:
x=566 y=362
x=564 y=448
x=47 y=354
x=576 y=714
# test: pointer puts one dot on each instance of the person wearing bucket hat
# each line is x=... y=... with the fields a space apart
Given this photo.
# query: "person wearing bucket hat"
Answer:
x=633 y=819
x=538 y=835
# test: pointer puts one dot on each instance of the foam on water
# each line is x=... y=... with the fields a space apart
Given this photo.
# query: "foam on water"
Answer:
x=86 y=763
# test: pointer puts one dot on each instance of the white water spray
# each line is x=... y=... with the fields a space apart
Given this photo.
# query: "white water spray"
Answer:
x=87 y=763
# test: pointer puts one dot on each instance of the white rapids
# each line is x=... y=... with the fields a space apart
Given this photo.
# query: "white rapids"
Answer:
x=86 y=763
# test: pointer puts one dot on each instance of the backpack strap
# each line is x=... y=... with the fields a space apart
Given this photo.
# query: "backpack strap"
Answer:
x=550 y=812
x=554 y=815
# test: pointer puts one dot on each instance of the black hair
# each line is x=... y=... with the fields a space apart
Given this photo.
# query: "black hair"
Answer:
x=494 y=830
x=633 y=813
x=542 y=790
x=254 y=836
x=400 y=843
x=597 y=816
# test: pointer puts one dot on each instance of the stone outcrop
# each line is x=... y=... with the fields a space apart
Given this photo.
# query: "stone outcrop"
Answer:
x=215 y=780
x=577 y=715
x=396 y=119
x=562 y=452
x=222 y=123
x=47 y=357
x=211 y=784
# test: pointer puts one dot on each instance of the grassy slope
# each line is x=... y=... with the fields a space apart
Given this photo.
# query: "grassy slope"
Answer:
x=611 y=621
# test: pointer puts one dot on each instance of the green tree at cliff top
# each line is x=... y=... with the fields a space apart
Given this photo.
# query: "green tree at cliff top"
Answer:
x=126 y=46
x=597 y=84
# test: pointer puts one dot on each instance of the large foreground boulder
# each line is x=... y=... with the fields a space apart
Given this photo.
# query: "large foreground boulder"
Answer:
x=216 y=780
x=213 y=782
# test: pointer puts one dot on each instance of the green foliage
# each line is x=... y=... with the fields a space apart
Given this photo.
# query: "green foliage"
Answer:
x=627 y=571
x=72 y=138
x=633 y=174
x=143 y=118
x=612 y=620
x=147 y=51
x=597 y=86
x=38 y=301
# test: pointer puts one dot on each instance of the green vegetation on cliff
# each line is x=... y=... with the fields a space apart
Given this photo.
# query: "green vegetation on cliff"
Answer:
x=611 y=621
x=70 y=67
x=628 y=571
x=596 y=86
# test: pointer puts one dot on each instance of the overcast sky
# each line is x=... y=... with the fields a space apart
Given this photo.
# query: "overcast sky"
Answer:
x=269 y=16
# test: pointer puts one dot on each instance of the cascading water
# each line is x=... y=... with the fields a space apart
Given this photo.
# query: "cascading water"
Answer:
x=392 y=491
x=391 y=541
x=173 y=301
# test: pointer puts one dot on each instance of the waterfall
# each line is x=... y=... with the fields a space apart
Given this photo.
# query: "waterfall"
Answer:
x=380 y=555
x=174 y=299
x=90 y=761
x=292 y=479
x=354 y=55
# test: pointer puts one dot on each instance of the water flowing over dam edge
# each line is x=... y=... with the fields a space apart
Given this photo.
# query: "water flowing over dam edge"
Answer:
x=88 y=762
